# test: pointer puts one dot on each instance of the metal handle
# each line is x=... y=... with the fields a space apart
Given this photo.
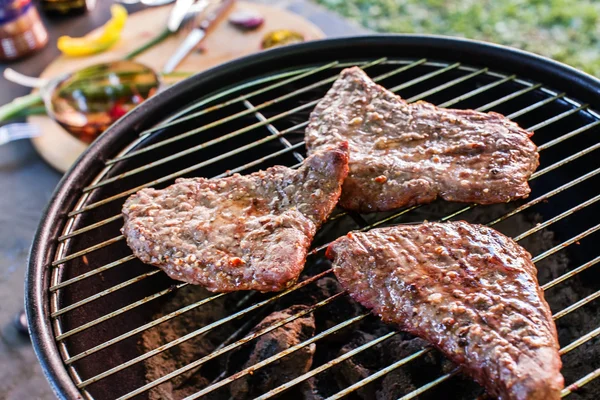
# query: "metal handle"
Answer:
x=188 y=45
x=24 y=80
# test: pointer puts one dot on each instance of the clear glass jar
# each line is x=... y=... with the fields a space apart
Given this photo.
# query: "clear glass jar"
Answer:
x=21 y=29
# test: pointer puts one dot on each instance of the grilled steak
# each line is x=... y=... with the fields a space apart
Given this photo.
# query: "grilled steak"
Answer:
x=240 y=232
x=467 y=289
x=404 y=154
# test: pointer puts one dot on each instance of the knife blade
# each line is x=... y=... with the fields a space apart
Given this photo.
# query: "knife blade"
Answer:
x=212 y=15
x=177 y=14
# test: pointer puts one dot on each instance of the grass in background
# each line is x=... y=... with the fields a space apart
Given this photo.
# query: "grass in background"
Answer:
x=565 y=30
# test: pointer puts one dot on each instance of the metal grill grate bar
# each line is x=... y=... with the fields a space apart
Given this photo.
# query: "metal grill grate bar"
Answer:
x=557 y=218
x=277 y=356
x=88 y=250
x=274 y=131
x=208 y=328
x=570 y=274
x=430 y=385
x=546 y=196
x=239 y=99
x=508 y=97
x=579 y=304
x=235 y=116
x=421 y=78
x=580 y=383
x=565 y=161
x=535 y=106
x=585 y=338
x=323 y=367
x=568 y=136
x=379 y=374
x=205 y=145
x=92 y=272
x=104 y=293
x=143 y=328
x=476 y=91
x=180 y=115
x=446 y=85
x=229 y=347
x=558 y=117
x=89 y=227
x=566 y=243
x=131 y=306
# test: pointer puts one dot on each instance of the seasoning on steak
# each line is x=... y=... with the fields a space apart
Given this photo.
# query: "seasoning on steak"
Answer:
x=467 y=289
x=283 y=370
x=404 y=154
x=240 y=232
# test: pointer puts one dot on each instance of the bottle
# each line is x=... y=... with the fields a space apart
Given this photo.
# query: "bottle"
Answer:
x=21 y=29
x=67 y=7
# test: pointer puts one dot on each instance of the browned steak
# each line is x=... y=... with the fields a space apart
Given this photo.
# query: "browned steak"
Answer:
x=467 y=289
x=403 y=154
x=240 y=232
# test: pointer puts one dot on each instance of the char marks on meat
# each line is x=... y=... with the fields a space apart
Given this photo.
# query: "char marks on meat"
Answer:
x=240 y=232
x=467 y=289
x=404 y=154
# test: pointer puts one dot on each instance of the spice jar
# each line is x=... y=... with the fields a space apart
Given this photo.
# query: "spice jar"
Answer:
x=21 y=29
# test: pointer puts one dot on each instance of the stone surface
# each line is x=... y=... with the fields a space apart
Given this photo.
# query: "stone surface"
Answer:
x=27 y=184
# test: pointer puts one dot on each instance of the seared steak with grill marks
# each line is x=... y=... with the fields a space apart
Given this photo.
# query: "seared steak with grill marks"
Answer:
x=469 y=290
x=404 y=154
x=240 y=232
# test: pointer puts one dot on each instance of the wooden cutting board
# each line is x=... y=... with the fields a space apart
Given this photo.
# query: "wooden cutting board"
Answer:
x=223 y=43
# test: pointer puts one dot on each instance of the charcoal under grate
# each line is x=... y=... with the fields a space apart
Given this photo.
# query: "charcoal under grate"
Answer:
x=122 y=329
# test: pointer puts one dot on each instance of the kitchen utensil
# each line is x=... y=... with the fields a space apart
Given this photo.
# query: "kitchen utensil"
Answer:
x=180 y=13
x=214 y=12
x=16 y=131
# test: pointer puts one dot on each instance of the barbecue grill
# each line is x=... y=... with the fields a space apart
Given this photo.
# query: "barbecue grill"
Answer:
x=91 y=305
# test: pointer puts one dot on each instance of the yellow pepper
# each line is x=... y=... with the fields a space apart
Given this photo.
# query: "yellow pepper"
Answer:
x=99 y=41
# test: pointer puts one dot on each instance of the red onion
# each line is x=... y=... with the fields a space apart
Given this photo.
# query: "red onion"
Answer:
x=245 y=19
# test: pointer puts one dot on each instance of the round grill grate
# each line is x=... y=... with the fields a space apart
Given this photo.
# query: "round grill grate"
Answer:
x=121 y=329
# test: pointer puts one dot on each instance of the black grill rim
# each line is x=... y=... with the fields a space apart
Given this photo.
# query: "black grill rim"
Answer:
x=584 y=87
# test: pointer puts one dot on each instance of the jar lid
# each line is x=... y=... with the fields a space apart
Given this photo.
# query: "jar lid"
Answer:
x=12 y=9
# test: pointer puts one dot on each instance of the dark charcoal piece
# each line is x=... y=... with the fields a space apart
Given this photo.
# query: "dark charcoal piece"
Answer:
x=334 y=313
x=282 y=370
x=188 y=351
x=403 y=154
x=236 y=233
x=467 y=289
